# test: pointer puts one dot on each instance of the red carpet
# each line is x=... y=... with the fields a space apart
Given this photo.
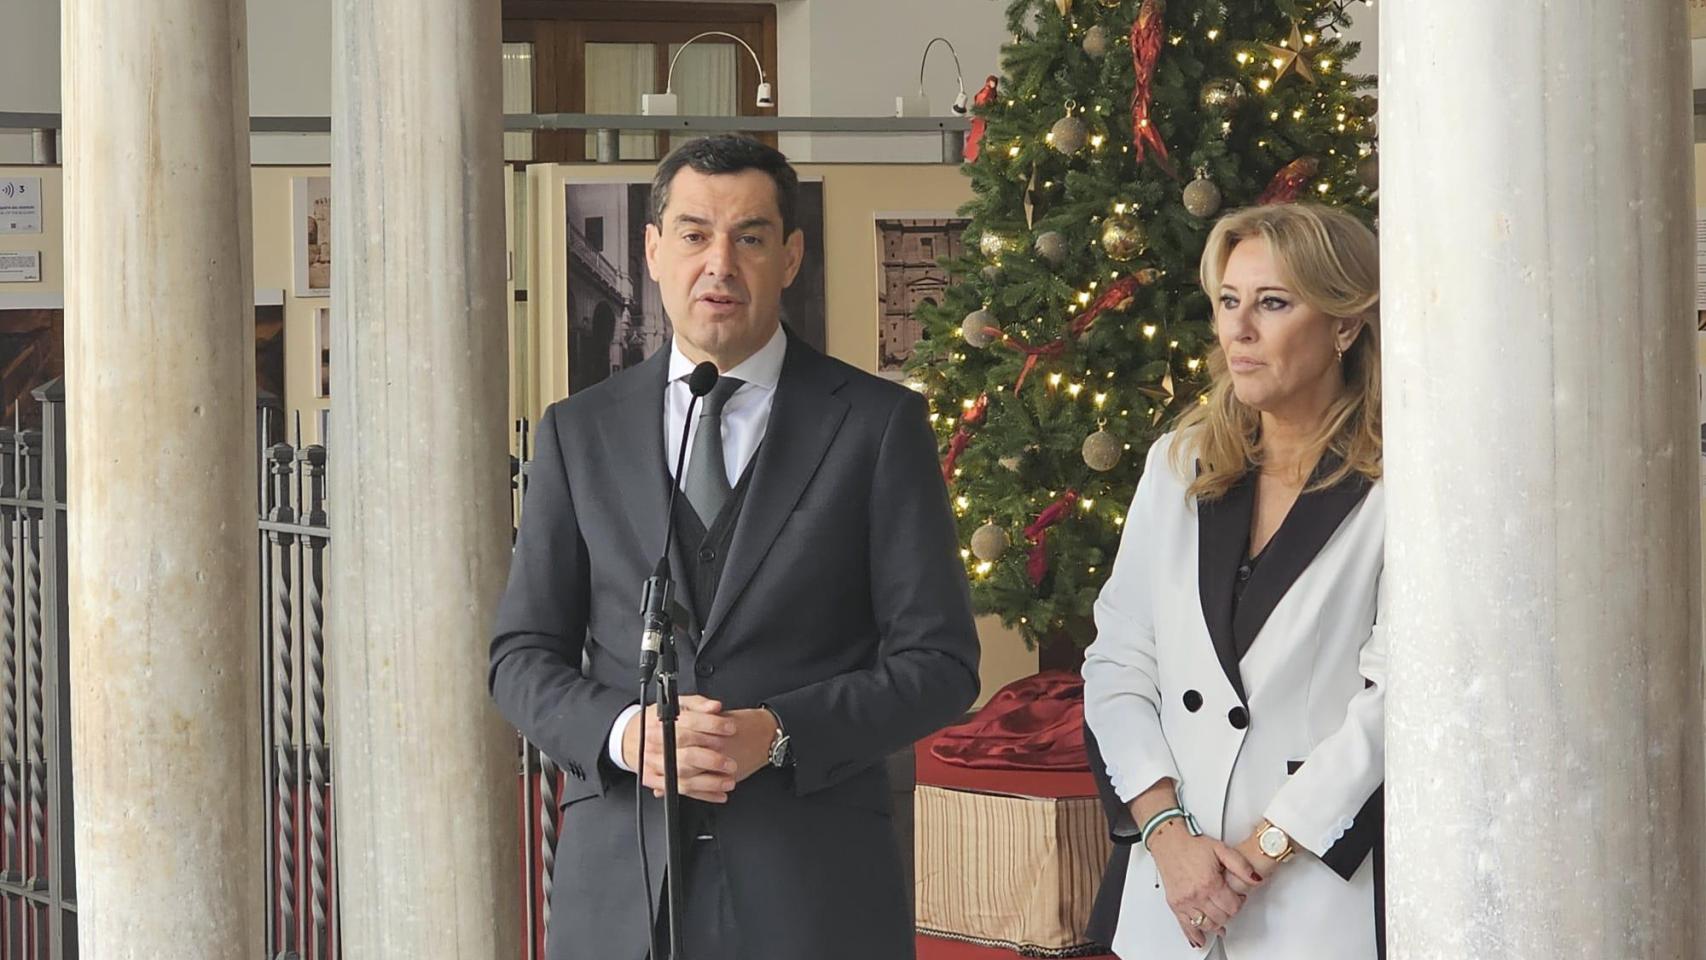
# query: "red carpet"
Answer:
x=935 y=948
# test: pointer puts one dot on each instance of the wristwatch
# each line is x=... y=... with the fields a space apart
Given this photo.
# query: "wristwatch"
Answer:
x=1273 y=842
x=781 y=747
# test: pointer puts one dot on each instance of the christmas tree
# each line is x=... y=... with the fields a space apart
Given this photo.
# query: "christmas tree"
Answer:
x=1100 y=159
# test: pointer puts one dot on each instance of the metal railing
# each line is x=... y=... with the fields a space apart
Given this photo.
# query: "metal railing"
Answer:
x=608 y=128
x=38 y=879
x=292 y=536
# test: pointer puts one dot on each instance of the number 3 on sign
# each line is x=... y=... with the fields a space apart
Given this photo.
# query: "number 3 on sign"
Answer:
x=20 y=205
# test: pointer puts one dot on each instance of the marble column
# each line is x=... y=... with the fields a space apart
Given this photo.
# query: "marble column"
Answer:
x=1542 y=586
x=160 y=384
x=425 y=769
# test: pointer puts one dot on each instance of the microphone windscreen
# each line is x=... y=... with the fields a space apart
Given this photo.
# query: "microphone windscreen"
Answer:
x=702 y=379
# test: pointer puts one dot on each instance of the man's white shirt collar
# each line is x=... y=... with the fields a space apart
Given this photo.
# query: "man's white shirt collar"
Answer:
x=762 y=369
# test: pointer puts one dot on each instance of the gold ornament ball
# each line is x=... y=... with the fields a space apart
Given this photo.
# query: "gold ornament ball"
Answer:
x=1096 y=42
x=989 y=542
x=976 y=328
x=1069 y=134
x=1102 y=450
x=1222 y=96
x=1051 y=246
x=1368 y=171
x=992 y=244
x=1202 y=198
x=1123 y=237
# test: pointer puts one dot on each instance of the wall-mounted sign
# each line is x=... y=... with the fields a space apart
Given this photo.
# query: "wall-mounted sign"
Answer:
x=20 y=205
x=20 y=266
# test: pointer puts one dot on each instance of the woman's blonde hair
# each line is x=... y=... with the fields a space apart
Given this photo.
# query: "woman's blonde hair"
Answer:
x=1332 y=261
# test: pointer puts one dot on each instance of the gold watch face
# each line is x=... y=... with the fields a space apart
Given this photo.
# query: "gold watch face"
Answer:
x=1273 y=842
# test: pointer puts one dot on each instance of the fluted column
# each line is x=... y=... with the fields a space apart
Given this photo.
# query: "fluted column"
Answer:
x=160 y=387
x=424 y=768
x=1544 y=722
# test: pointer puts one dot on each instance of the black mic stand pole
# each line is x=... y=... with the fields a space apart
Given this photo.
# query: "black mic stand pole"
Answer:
x=660 y=628
x=669 y=708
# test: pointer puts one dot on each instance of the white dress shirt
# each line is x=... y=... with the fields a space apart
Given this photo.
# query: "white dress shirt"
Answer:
x=746 y=416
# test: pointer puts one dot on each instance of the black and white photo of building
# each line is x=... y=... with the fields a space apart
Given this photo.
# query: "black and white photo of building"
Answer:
x=616 y=315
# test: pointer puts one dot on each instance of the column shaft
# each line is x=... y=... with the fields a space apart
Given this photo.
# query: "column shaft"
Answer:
x=160 y=384
x=425 y=770
x=1544 y=722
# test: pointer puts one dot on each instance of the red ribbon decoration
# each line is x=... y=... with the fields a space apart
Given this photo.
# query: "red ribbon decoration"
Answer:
x=1146 y=33
x=1289 y=181
x=984 y=97
x=1118 y=296
x=1033 y=356
x=1036 y=565
x=962 y=437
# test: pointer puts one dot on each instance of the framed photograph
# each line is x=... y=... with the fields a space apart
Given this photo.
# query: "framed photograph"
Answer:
x=910 y=248
x=616 y=315
x=323 y=351
x=311 y=243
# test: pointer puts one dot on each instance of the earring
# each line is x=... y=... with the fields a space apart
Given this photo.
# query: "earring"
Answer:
x=1340 y=351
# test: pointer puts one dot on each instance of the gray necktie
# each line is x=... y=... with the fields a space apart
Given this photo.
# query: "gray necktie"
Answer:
x=707 y=485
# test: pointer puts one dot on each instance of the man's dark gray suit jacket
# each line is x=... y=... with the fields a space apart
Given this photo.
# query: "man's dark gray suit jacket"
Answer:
x=843 y=606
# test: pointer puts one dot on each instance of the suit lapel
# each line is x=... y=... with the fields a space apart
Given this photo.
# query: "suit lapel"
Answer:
x=633 y=434
x=804 y=417
x=1223 y=532
x=1295 y=545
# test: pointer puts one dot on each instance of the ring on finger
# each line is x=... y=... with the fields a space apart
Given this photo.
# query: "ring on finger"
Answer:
x=1199 y=919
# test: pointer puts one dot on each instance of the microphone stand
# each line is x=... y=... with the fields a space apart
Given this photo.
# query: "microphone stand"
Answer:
x=658 y=659
x=669 y=708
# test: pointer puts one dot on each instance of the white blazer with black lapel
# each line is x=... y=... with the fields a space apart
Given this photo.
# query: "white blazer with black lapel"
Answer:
x=1276 y=711
x=843 y=605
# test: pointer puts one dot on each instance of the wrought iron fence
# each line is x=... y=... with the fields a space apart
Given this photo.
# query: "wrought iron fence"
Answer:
x=292 y=536
x=38 y=878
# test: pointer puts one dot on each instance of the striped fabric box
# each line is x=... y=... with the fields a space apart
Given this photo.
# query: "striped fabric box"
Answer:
x=1008 y=859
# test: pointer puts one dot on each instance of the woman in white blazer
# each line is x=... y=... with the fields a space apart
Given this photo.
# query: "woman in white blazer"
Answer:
x=1235 y=690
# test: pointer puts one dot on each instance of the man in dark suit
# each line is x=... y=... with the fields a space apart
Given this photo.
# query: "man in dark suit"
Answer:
x=828 y=618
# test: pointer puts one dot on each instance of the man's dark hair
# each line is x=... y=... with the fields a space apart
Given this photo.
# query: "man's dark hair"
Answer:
x=730 y=153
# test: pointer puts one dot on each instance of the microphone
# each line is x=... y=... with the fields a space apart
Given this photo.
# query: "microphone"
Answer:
x=658 y=599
